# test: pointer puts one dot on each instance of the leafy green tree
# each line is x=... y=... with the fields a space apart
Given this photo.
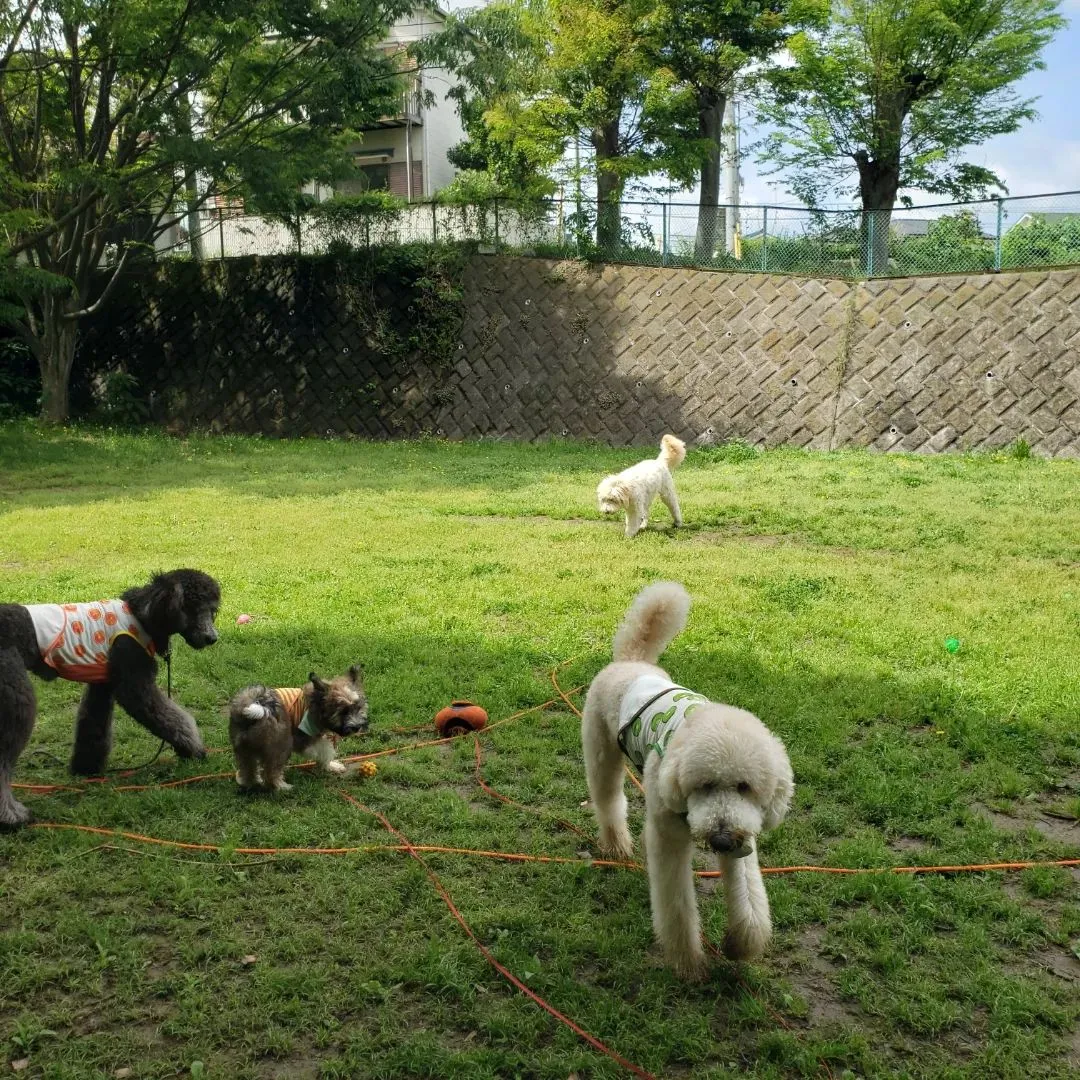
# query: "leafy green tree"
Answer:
x=542 y=75
x=893 y=91
x=953 y=243
x=497 y=51
x=1042 y=240
x=707 y=45
x=120 y=119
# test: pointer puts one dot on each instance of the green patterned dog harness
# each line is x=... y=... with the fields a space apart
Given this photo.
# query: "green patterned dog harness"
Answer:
x=651 y=711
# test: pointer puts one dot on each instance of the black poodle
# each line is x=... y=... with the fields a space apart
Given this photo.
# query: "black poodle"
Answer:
x=110 y=645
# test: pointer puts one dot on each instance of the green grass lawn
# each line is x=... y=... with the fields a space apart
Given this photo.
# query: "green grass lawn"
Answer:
x=825 y=587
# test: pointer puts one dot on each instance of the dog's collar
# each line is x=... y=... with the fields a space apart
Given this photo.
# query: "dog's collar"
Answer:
x=307 y=725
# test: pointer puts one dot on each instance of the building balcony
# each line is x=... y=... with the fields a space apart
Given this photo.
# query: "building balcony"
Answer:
x=409 y=111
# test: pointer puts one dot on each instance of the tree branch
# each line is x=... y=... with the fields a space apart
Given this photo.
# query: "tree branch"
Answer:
x=71 y=316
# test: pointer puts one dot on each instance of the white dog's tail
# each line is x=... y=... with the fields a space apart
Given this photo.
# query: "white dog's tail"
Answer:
x=672 y=451
x=251 y=706
x=658 y=613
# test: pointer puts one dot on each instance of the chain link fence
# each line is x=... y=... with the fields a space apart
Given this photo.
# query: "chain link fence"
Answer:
x=996 y=234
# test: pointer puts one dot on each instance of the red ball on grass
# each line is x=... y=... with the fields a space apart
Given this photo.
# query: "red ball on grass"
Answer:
x=459 y=718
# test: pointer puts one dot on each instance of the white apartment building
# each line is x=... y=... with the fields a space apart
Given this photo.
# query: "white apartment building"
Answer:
x=405 y=153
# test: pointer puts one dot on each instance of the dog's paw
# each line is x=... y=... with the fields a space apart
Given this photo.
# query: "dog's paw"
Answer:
x=617 y=844
x=14 y=816
x=692 y=967
x=335 y=767
x=742 y=944
x=281 y=785
x=87 y=765
x=194 y=749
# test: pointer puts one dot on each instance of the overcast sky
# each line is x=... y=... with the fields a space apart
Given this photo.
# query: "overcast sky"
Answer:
x=1043 y=156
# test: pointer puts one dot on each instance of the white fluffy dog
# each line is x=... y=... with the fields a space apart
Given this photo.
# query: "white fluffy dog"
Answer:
x=712 y=773
x=634 y=489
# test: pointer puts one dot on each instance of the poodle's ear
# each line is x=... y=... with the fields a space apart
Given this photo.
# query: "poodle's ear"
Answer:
x=356 y=675
x=778 y=806
x=612 y=489
x=671 y=788
x=320 y=686
x=166 y=598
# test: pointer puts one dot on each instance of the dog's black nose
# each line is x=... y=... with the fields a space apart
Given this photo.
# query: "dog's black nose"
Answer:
x=723 y=841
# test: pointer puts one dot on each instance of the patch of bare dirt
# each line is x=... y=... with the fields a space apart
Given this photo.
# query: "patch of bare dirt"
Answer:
x=706 y=536
x=1054 y=826
x=1072 y=1044
x=907 y=845
x=813 y=975
x=303 y=1067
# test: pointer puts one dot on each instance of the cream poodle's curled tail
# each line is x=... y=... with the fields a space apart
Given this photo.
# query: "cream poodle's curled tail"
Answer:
x=656 y=617
x=672 y=451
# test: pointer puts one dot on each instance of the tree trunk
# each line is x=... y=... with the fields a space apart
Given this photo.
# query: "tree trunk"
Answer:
x=56 y=354
x=711 y=222
x=879 y=182
x=609 y=186
x=194 y=224
x=191 y=187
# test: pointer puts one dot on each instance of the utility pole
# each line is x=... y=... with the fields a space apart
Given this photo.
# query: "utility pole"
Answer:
x=731 y=171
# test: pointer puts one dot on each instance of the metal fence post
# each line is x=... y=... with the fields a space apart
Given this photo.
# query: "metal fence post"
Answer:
x=434 y=224
x=664 y=233
x=496 y=226
x=869 y=214
x=997 y=236
x=764 y=238
x=221 y=233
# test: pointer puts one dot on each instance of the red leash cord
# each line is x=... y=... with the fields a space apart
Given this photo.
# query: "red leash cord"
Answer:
x=503 y=971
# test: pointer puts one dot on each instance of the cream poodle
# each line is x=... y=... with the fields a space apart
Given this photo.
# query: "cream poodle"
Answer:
x=712 y=772
x=634 y=489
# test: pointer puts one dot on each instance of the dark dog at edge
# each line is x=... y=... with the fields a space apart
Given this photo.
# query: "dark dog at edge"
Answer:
x=182 y=602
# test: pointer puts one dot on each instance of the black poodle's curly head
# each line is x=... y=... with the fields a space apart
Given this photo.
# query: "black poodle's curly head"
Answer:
x=185 y=602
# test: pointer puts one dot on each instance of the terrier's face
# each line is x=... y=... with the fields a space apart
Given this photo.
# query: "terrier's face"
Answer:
x=340 y=704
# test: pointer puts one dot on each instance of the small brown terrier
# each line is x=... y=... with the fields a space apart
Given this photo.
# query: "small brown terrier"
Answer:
x=266 y=727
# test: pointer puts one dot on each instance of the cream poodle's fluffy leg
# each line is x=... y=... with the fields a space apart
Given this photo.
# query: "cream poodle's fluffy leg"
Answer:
x=637 y=517
x=671 y=500
x=603 y=769
x=669 y=854
x=749 y=926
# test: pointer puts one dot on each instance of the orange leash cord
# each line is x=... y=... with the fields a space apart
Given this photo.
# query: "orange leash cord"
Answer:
x=486 y=952
x=364 y=849
x=520 y=806
x=517 y=856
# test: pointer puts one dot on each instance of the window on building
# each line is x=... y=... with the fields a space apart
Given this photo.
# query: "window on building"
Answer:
x=375 y=177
